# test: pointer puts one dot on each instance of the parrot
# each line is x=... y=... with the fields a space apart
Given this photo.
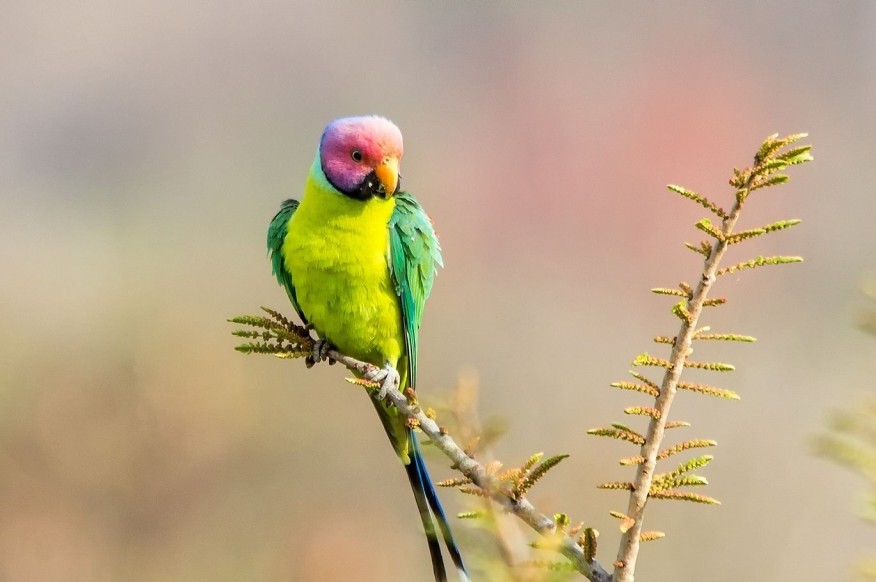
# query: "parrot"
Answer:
x=357 y=257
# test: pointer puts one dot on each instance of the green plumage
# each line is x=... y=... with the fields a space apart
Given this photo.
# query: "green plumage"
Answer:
x=412 y=259
x=276 y=236
x=415 y=254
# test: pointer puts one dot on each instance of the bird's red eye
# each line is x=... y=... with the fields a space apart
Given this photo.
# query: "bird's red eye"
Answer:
x=356 y=155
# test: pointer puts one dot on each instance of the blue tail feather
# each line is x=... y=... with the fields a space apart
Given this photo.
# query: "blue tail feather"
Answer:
x=425 y=491
x=416 y=481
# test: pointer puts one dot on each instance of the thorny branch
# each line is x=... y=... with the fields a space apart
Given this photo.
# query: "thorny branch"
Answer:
x=761 y=175
x=629 y=546
x=496 y=490
x=284 y=339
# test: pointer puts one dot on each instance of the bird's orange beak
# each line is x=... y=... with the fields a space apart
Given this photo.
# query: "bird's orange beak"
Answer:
x=387 y=173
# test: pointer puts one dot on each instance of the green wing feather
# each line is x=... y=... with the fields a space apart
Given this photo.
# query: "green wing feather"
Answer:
x=415 y=256
x=276 y=236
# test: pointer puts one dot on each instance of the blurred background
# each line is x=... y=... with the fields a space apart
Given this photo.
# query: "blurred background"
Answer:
x=146 y=146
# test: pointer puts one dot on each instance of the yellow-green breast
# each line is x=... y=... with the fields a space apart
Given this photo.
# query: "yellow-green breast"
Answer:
x=336 y=250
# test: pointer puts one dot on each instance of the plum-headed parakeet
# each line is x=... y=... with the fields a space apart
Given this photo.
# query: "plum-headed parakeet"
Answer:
x=357 y=258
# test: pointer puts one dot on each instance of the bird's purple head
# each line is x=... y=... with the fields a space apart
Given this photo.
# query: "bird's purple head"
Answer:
x=360 y=156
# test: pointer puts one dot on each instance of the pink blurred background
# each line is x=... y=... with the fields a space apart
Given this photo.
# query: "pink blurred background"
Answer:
x=147 y=145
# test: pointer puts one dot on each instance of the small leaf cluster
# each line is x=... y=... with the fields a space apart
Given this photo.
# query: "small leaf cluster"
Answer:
x=275 y=335
x=585 y=537
x=516 y=481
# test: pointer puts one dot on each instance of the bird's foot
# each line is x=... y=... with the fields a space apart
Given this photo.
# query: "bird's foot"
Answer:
x=387 y=377
x=320 y=352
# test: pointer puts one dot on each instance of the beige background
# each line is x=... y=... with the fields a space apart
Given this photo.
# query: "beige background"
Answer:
x=145 y=147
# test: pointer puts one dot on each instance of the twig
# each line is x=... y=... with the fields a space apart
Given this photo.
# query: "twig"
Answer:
x=625 y=565
x=496 y=490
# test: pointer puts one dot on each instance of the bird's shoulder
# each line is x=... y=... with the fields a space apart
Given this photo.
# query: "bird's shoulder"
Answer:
x=412 y=229
x=279 y=224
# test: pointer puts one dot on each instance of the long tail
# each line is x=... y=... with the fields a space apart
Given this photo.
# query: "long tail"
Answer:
x=429 y=507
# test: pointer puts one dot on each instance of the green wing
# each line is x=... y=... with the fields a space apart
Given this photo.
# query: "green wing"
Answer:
x=415 y=256
x=276 y=236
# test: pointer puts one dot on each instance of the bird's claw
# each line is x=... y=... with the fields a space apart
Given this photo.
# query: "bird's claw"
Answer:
x=388 y=378
x=320 y=352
